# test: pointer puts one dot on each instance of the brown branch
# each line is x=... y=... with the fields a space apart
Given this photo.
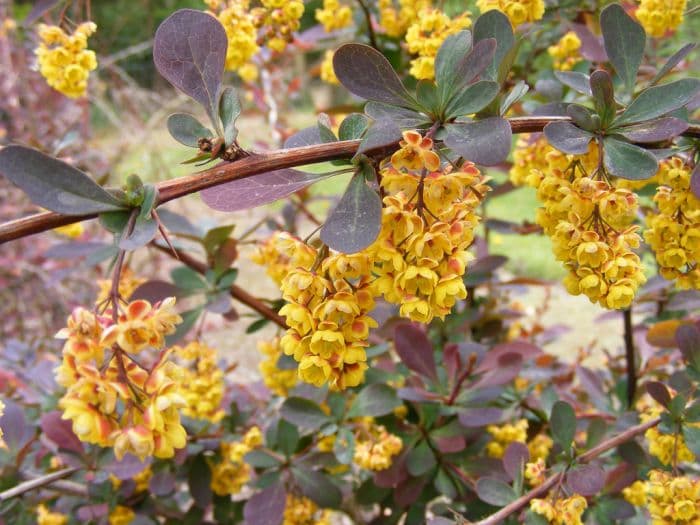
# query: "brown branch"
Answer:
x=36 y=483
x=552 y=480
x=249 y=166
x=237 y=292
x=630 y=357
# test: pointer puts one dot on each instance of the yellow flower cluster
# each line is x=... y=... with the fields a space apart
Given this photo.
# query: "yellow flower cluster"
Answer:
x=673 y=229
x=517 y=11
x=277 y=380
x=590 y=222
x=530 y=154
x=128 y=283
x=425 y=36
x=45 y=517
x=300 y=510
x=374 y=447
x=327 y=71
x=230 y=474
x=566 y=511
x=428 y=222
x=327 y=315
x=278 y=19
x=242 y=35
x=202 y=383
x=279 y=254
x=64 y=60
x=121 y=515
x=114 y=400
x=503 y=435
x=396 y=21
x=671 y=500
x=566 y=52
x=334 y=15
x=535 y=472
x=660 y=16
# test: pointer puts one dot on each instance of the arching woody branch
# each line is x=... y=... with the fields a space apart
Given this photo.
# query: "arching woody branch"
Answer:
x=247 y=167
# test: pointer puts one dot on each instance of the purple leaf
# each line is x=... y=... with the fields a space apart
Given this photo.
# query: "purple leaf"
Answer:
x=575 y=80
x=354 y=223
x=486 y=141
x=659 y=392
x=91 y=513
x=189 y=50
x=450 y=444
x=395 y=474
x=654 y=130
x=514 y=459
x=257 y=190
x=567 y=138
x=494 y=491
x=688 y=339
x=60 y=431
x=620 y=477
x=695 y=181
x=16 y=431
x=415 y=350
x=587 y=480
x=381 y=133
x=128 y=467
x=507 y=368
x=154 y=291
x=591 y=46
x=416 y=394
x=493 y=355
x=365 y=72
x=409 y=491
x=266 y=507
x=305 y=137
x=40 y=7
x=479 y=417
x=452 y=361
x=162 y=483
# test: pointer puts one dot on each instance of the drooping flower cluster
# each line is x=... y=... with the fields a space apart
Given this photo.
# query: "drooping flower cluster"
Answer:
x=300 y=510
x=670 y=500
x=64 y=59
x=128 y=283
x=503 y=435
x=242 y=35
x=566 y=52
x=669 y=449
x=334 y=15
x=327 y=315
x=660 y=16
x=277 y=20
x=396 y=20
x=428 y=222
x=280 y=253
x=278 y=380
x=673 y=229
x=517 y=11
x=567 y=511
x=530 y=153
x=230 y=474
x=590 y=222
x=113 y=400
x=375 y=447
x=202 y=383
x=425 y=36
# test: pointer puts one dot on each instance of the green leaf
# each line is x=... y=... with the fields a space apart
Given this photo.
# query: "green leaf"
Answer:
x=344 y=446
x=519 y=91
x=427 y=96
x=188 y=279
x=659 y=100
x=472 y=99
x=199 y=480
x=317 y=487
x=568 y=138
x=595 y=432
x=603 y=96
x=402 y=118
x=628 y=161
x=444 y=485
x=144 y=231
x=562 y=423
x=451 y=52
x=353 y=126
x=189 y=318
x=355 y=221
x=420 y=460
x=577 y=81
x=324 y=129
x=261 y=459
x=494 y=491
x=53 y=184
x=494 y=24
x=624 y=40
x=114 y=221
x=304 y=413
x=229 y=110
x=187 y=130
x=287 y=437
x=471 y=67
x=691 y=435
x=365 y=72
x=487 y=141
x=374 y=400
x=583 y=117
x=215 y=237
x=150 y=196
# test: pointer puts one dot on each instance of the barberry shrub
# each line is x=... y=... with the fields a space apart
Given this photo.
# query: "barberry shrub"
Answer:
x=403 y=385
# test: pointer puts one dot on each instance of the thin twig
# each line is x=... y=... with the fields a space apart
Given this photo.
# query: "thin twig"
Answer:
x=552 y=480
x=36 y=483
x=630 y=360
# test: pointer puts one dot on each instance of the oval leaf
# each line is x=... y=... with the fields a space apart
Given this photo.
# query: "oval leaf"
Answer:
x=480 y=417
x=53 y=184
x=353 y=126
x=514 y=459
x=189 y=50
x=229 y=110
x=415 y=350
x=317 y=487
x=257 y=190
x=451 y=52
x=603 y=95
x=381 y=133
x=60 y=431
x=577 y=81
x=562 y=423
x=659 y=100
x=365 y=72
x=587 y=480
x=628 y=161
x=494 y=492
x=374 y=400
x=568 y=138
x=672 y=62
x=304 y=413
x=695 y=181
x=486 y=142
x=473 y=98
x=266 y=507
x=356 y=220
x=657 y=130
x=494 y=24
x=186 y=129
x=624 y=40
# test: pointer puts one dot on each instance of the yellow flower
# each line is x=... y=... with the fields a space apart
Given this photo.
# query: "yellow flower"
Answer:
x=415 y=153
x=518 y=11
x=279 y=381
x=121 y=515
x=327 y=71
x=73 y=231
x=202 y=384
x=375 y=447
x=658 y=17
x=504 y=435
x=566 y=52
x=334 y=15
x=566 y=511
